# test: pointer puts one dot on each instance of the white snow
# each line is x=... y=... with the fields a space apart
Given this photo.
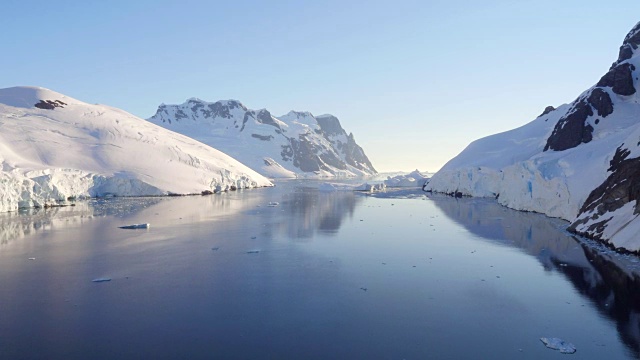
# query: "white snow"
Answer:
x=83 y=150
x=260 y=140
x=512 y=166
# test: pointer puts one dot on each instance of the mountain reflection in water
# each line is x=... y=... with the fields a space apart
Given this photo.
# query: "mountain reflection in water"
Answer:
x=600 y=275
x=302 y=211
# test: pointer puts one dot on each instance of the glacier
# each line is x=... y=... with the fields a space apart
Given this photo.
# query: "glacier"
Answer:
x=54 y=148
x=578 y=162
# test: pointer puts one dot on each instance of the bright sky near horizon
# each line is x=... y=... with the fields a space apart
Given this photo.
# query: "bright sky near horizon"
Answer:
x=415 y=81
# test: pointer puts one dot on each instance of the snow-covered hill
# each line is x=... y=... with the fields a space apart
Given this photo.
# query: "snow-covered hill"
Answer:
x=297 y=144
x=579 y=162
x=53 y=147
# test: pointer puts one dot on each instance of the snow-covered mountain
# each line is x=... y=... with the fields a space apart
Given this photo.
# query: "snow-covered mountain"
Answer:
x=53 y=147
x=297 y=144
x=579 y=162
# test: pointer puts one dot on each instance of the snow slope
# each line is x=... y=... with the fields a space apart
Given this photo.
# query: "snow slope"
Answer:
x=53 y=147
x=577 y=162
x=297 y=144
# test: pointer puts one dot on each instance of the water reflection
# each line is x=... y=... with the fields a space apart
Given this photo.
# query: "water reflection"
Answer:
x=607 y=279
x=26 y=222
x=306 y=210
x=302 y=211
x=17 y=225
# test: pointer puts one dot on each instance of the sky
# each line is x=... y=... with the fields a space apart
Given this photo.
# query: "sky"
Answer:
x=415 y=81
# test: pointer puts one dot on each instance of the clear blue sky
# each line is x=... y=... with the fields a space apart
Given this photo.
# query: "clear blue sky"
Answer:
x=415 y=81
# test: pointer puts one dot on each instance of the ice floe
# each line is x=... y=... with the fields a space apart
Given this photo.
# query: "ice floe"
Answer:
x=136 y=226
x=558 y=344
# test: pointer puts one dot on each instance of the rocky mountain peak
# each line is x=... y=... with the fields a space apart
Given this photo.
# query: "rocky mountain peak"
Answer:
x=299 y=114
x=330 y=125
x=291 y=145
x=629 y=45
x=586 y=113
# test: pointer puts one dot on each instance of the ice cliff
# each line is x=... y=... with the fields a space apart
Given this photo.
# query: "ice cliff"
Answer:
x=54 y=148
x=579 y=162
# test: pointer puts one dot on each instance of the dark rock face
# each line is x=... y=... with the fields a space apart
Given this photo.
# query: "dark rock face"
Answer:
x=547 y=110
x=222 y=109
x=631 y=43
x=620 y=188
x=355 y=156
x=626 y=51
x=601 y=101
x=303 y=153
x=572 y=129
x=353 y=153
x=49 y=104
x=180 y=115
x=323 y=146
x=330 y=125
x=262 y=137
x=304 y=156
x=265 y=117
x=620 y=79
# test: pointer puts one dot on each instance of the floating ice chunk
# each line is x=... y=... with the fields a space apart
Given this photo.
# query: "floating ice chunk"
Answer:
x=370 y=187
x=273 y=204
x=32 y=258
x=558 y=344
x=136 y=226
x=414 y=179
x=104 y=279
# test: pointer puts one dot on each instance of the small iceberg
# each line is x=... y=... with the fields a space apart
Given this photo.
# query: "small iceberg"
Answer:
x=98 y=280
x=32 y=258
x=273 y=204
x=415 y=179
x=370 y=187
x=136 y=226
x=558 y=344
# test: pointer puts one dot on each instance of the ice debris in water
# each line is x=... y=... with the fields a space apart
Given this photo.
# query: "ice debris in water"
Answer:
x=136 y=226
x=273 y=204
x=98 y=280
x=370 y=187
x=558 y=344
x=32 y=258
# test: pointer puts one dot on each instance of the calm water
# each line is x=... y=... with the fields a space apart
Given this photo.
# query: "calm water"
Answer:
x=320 y=276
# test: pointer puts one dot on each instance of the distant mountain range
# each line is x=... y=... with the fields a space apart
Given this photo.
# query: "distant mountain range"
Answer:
x=579 y=162
x=297 y=144
x=54 y=147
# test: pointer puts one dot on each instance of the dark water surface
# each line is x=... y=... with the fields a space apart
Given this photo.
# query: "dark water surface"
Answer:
x=320 y=276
